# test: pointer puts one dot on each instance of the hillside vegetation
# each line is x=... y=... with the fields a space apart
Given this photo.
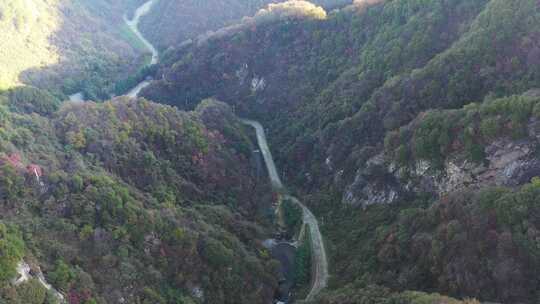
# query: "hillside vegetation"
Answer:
x=411 y=128
x=408 y=126
x=26 y=29
x=172 y=22
x=130 y=201
x=66 y=46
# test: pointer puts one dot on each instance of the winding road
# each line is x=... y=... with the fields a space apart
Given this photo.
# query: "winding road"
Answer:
x=320 y=262
x=134 y=27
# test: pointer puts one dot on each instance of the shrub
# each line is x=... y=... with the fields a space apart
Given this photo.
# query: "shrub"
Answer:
x=32 y=100
x=11 y=183
x=32 y=292
x=302 y=261
x=490 y=127
x=62 y=276
x=11 y=251
x=292 y=215
x=217 y=254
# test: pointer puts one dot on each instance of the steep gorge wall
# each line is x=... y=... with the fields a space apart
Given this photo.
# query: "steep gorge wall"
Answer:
x=342 y=97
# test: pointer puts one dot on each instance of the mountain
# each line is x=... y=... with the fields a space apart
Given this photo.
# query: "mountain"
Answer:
x=67 y=46
x=172 y=22
x=130 y=201
x=409 y=127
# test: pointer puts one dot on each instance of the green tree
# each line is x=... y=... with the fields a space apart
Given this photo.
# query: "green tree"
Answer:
x=62 y=276
x=32 y=292
x=302 y=261
x=292 y=215
x=11 y=251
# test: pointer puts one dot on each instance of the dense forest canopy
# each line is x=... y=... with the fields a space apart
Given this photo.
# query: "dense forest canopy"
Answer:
x=156 y=196
x=67 y=46
x=175 y=21
x=384 y=107
x=410 y=129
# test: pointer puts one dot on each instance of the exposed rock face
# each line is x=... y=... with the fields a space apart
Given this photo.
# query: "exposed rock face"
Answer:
x=197 y=292
x=25 y=273
x=373 y=184
x=511 y=164
x=257 y=84
x=508 y=163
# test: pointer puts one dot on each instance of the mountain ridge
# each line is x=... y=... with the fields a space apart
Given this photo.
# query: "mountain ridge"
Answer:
x=330 y=92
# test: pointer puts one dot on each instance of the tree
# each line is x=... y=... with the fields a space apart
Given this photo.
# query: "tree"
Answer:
x=32 y=292
x=62 y=276
x=11 y=251
x=302 y=261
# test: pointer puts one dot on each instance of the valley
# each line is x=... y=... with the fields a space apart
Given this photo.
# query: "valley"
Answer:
x=133 y=26
x=320 y=268
x=56 y=46
x=406 y=134
x=319 y=275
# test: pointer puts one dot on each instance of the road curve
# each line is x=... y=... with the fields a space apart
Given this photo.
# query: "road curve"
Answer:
x=320 y=262
x=133 y=93
x=134 y=26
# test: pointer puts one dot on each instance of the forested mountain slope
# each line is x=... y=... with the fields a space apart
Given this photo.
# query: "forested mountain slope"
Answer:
x=171 y=22
x=67 y=45
x=128 y=201
x=410 y=126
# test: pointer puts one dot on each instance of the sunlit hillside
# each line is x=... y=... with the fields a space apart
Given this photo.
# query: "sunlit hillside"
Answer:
x=174 y=21
x=27 y=27
x=292 y=8
x=67 y=45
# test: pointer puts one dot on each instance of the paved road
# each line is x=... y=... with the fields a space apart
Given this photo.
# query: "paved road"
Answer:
x=134 y=26
x=77 y=97
x=134 y=23
x=267 y=155
x=320 y=262
x=133 y=93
